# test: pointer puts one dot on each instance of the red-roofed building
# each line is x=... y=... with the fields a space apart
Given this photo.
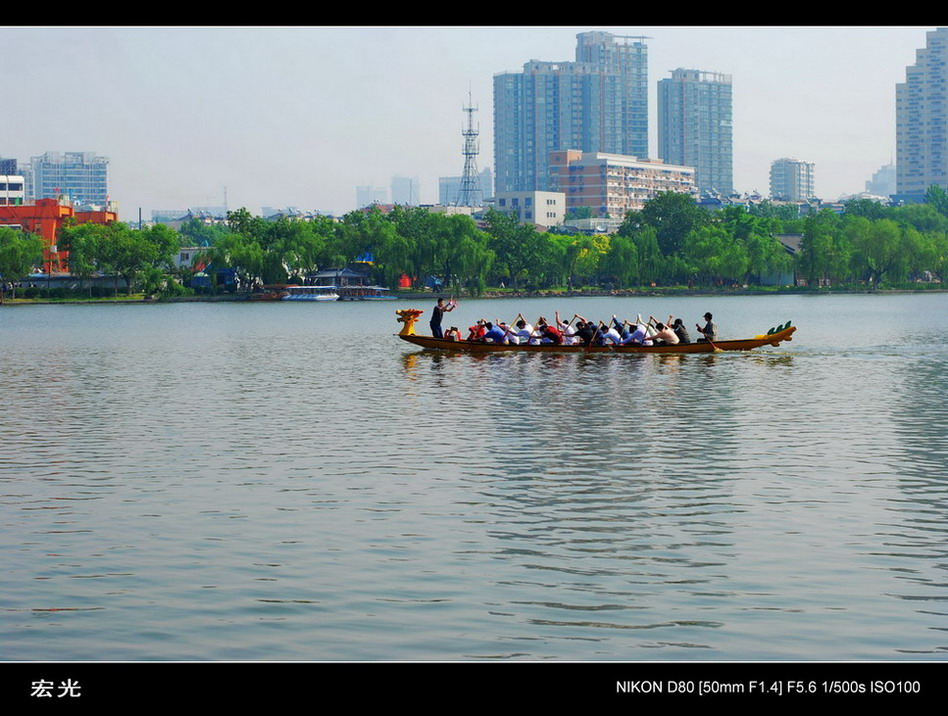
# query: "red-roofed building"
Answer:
x=44 y=217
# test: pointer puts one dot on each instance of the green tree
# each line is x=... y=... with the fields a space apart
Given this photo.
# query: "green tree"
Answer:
x=653 y=266
x=784 y=213
x=296 y=246
x=937 y=197
x=924 y=217
x=82 y=242
x=867 y=208
x=824 y=252
x=920 y=251
x=239 y=252
x=19 y=253
x=127 y=252
x=711 y=252
x=589 y=253
x=765 y=255
x=580 y=212
x=878 y=248
x=518 y=247
x=195 y=232
x=622 y=261
x=472 y=257
x=673 y=216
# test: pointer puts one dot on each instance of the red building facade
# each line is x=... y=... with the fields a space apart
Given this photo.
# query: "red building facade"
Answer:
x=45 y=217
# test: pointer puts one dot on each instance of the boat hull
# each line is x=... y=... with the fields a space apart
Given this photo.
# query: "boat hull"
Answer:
x=746 y=344
x=322 y=297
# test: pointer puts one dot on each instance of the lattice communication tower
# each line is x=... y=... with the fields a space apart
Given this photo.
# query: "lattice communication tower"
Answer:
x=470 y=193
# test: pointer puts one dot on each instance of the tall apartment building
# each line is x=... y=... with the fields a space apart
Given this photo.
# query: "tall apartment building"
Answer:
x=598 y=103
x=791 y=180
x=82 y=176
x=882 y=182
x=921 y=115
x=405 y=191
x=694 y=126
x=368 y=195
x=611 y=184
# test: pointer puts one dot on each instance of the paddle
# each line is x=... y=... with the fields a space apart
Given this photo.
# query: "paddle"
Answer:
x=508 y=332
x=598 y=334
x=562 y=327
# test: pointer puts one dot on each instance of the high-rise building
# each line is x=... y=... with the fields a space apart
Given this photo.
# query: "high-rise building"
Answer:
x=599 y=103
x=694 y=126
x=882 y=182
x=921 y=116
x=405 y=190
x=791 y=180
x=368 y=195
x=82 y=176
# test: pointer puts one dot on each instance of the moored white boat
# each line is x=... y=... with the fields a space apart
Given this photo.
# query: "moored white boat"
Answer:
x=310 y=293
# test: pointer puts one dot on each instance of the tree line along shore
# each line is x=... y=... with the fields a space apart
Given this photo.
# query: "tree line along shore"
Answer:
x=671 y=246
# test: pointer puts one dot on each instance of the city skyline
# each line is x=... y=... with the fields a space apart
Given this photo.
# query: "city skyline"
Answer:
x=300 y=116
x=599 y=103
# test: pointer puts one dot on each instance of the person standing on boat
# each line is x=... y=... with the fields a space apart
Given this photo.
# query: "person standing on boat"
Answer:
x=710 y=330
x=438 y=314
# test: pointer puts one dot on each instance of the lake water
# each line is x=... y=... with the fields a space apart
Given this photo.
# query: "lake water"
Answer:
x=291 y=482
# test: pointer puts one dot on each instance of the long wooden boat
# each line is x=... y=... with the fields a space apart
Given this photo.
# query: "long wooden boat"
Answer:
x=774 y=338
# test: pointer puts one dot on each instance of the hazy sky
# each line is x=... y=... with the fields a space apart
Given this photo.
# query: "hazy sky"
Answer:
x=299 y=116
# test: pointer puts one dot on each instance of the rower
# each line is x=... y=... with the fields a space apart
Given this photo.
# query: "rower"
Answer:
x=639 y=336
x=494 y=334
x=664 y=335
x=710 y=330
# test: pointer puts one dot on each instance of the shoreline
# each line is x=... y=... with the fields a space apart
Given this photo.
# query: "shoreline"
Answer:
x=654 y=292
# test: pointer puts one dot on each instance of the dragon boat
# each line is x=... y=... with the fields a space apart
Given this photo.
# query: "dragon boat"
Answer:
x=409 y=316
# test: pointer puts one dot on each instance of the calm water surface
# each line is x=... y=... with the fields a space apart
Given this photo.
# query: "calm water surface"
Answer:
x=277 y=481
